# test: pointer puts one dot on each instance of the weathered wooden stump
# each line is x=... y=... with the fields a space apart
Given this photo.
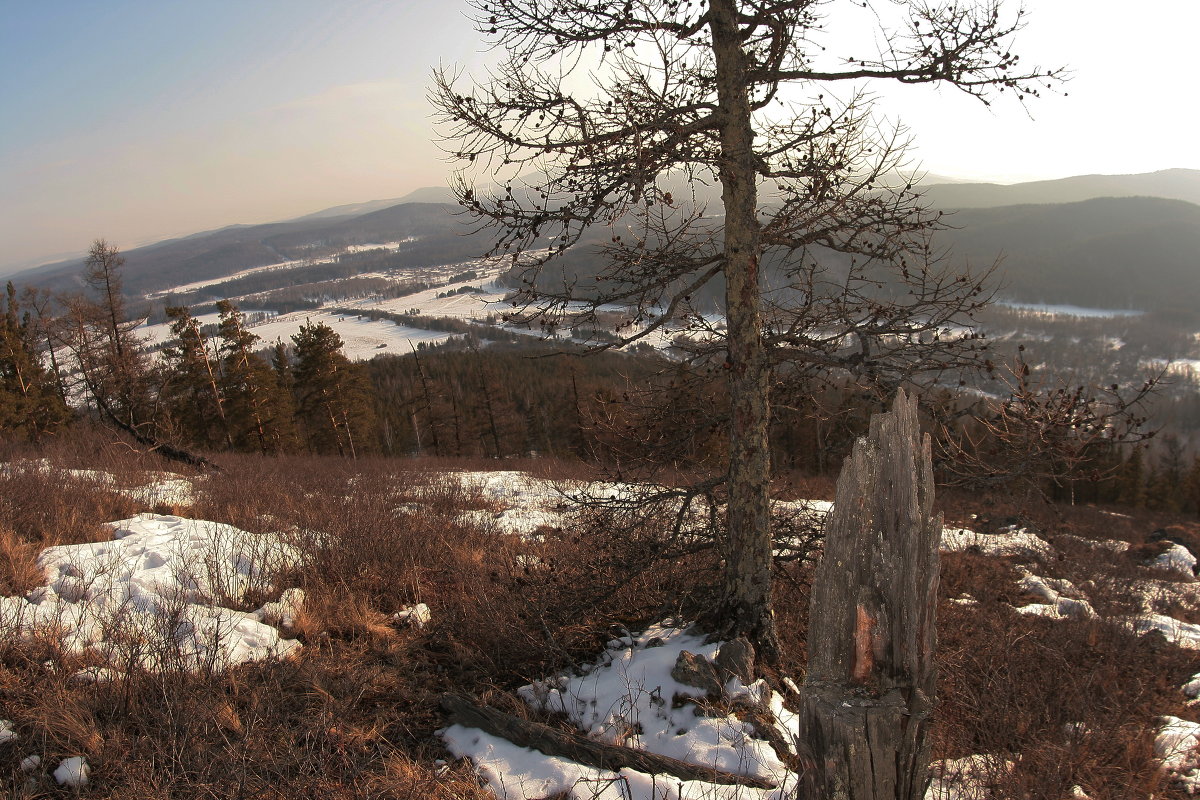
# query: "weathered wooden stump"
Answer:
x=870 y=686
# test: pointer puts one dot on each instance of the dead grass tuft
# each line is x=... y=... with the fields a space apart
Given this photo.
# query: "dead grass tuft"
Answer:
x=19 y=570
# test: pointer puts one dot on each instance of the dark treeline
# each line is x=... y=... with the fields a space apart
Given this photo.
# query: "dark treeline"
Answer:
x=213 y=390
x=479 y=330
x=506 y=399
x=263 y=290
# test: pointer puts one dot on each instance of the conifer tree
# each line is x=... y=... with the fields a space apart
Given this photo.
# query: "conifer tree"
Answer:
x=1131 y=486
x=191 y=388
x=260 y=412
x=333 y=400
x=46 y=328
x=29 y=400
x=1192 y=487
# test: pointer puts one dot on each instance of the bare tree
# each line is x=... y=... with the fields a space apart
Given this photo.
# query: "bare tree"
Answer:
x=613 y=117
x=107 y=355
x=102 y=274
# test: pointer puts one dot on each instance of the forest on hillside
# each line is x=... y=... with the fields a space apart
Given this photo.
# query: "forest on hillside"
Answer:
x=491 y=394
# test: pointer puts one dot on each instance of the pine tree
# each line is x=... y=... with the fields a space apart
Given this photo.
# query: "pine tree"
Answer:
x=333 y=399
x=29 y=399
x=1131 y=487
x=1167 y=487
x=1192 y=487
x=191 y=387
x=260 y=412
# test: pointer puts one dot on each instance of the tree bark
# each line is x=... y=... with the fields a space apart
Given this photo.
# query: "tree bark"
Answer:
x=747 y=578
x=869 y=692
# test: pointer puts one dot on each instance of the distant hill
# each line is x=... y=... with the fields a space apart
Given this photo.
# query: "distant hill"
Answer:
x=348 y=210
x=1171 y=184
x=439 y=238
x=1132 y=252
x=1118 y=249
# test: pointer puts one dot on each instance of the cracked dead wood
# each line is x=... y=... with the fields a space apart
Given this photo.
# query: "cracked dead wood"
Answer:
x=869 y=692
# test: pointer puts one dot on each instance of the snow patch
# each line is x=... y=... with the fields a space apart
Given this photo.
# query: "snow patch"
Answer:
x=1175 y=745
x=969 y=778
x=1055 y=592
x=629 y=697
x=156 y=596
x=72 y=772
x=418 y=616
x=1020 y=543
x=1184 y=634
x=1178 y=559
x=160 y=488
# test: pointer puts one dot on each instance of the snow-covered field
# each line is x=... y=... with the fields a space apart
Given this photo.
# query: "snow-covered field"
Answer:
x=362 y=338
x=1067 y=310
x=281 y=266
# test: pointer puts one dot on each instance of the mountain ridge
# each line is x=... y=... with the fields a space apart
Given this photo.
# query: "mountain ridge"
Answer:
x=1052 y=245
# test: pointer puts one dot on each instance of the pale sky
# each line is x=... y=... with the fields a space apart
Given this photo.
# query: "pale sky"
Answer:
x=137 y=120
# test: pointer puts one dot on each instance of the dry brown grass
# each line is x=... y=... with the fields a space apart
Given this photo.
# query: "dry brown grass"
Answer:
x=1071 y=702
x=355 y=715
x=19 y=571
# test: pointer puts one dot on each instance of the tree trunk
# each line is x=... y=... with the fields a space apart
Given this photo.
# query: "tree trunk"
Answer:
x=871 y=675
x=746 y=609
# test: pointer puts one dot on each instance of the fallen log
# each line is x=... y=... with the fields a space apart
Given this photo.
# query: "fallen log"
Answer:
x=164 y=449
x=579 y=748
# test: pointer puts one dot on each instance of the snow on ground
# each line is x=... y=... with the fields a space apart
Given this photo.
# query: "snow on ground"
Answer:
x=968 y=778
x=629 y=696
x=162 y=594
x=158 y=488
x=73 y=772
x=418 y=616
x=1176 y=744
x=528 y=503
x=1061 y=596
x=1013 y=543
x=157 y=596
x=1178 y=559
x=465 y=306
x=278 y=267
x=1184 y=634
x=160 y=333
x=362 y=338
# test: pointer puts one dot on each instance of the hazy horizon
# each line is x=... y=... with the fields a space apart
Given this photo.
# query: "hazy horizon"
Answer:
x=139 y=122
